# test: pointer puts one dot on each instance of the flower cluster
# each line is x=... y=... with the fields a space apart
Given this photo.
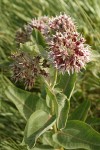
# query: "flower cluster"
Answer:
x=68 y=54
x=27 y=69
x=62 y=23
x=67 y=48
x=23 y=35
x=41 y=24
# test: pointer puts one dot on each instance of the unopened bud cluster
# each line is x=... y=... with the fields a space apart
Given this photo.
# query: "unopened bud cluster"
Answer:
x=27 y=69
x=23 y=35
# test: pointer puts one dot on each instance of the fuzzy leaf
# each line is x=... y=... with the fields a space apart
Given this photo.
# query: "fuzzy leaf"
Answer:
x=67 y=83
x=42 y=147
x=25 y=102
x=60 y=105
x=93 y=121
x=52 y=98
x=78 y=135
x=47 y=139
x=38 y=123
x=63 y=110
x=80 y=113
x=38 y=37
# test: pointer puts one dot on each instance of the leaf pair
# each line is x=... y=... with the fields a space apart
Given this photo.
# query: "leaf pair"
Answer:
x=61 y=98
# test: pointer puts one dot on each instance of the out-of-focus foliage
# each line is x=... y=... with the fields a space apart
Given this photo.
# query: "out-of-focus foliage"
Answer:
x=13 y=15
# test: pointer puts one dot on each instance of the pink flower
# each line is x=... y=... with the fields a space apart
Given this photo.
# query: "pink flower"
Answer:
x=67 y=48
x=62 y=23
x=41 y=24
x=68 y=53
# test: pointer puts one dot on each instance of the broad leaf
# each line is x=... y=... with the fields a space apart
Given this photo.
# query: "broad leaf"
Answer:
x=67 y=83
x=52 y=99
x=80 y=113
x=38 y=37
x=78 y=135
x=42 y=147
x=93 y=121
x=59 y=105
x=46 y=139
x=25 y=102
x=38 y=123
x=63 y=110
x=41 y=44
x=69 y=87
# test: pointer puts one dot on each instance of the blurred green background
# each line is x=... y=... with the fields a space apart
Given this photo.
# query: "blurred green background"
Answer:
x=13 y=15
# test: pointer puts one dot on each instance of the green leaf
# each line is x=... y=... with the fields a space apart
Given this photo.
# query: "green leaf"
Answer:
x=93 y=121
x=63 y=110
x=80 y=113
x=25 y=102
x=59 y=105
x=46 y=139
x=38 y=123
x=67 y=83
x=78 y=135
x=38 y=37
x=42 y=147
x=41 y=44
x=52 y=98
x=70 y=84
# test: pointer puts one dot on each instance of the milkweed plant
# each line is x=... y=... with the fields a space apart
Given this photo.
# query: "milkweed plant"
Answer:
x=58 y=55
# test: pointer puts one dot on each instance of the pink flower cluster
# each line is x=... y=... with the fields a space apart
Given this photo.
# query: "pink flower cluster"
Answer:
x=62 y=23
x=68 y=52
x=67 y=48
x=41 y=24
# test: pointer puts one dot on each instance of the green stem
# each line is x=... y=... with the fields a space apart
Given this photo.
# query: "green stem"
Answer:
x=52 y=107
x=52 y=112
x=55 y=79
x=52 y=102
x=55 y=128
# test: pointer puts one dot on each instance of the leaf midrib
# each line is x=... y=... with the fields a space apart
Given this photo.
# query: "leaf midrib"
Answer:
x=66 y=134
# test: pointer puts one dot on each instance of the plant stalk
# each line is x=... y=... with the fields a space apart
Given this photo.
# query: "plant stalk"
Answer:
x=52 y=112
